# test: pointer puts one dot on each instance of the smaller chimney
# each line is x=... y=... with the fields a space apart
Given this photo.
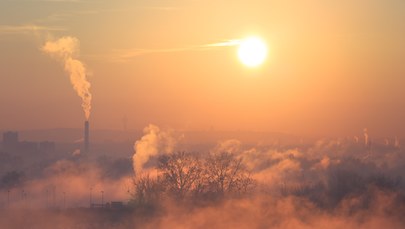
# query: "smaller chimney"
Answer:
x=86 y=137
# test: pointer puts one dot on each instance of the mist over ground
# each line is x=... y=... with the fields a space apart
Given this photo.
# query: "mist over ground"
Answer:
x=352 y=182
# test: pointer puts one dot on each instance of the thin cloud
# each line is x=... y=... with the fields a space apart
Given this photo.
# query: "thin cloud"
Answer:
x=224 y=44
x=123 y=55
x=67 y=15
x=75 y=1
x=56 y=17
x=160 y=8
x=27 y=29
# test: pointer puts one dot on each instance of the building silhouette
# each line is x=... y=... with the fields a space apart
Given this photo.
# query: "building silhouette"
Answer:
x=10 y=140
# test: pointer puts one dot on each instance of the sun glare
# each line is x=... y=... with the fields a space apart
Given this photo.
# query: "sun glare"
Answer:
x=252 y=51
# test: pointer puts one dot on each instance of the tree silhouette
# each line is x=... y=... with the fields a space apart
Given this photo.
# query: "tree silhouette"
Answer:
x=187 y=177
x=226 y=174
x=182 y=173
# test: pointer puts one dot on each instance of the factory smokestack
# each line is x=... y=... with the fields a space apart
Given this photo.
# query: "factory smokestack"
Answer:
x=86 y=136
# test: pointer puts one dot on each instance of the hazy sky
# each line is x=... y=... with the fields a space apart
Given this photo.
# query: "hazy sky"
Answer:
x=334 y=66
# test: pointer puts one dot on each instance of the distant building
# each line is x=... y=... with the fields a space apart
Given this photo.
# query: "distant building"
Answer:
x=47 y=147
x=27 y=147
x=12 y=144
x=10 y=140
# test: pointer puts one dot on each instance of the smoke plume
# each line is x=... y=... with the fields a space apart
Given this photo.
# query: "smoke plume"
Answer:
x=65 y=49
x=154 y=142
x=396 y=142
x=365 y=137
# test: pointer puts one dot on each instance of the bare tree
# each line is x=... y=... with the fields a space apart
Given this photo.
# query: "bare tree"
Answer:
x=181 y=172
x=226 y=174
x=185 y=176
x=148 y=191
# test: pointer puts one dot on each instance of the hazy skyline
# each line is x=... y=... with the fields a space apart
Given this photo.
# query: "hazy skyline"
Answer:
x=333 y=67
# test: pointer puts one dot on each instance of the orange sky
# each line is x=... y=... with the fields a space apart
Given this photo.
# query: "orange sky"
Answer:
x=334 y=67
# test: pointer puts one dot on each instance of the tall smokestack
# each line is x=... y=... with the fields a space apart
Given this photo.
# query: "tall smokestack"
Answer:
x=86 y=136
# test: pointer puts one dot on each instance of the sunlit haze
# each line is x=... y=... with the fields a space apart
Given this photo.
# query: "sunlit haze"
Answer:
x=202 y=114
x=335 y=67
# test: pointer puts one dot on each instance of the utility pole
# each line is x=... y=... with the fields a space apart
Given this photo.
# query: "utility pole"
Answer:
x=102 y=199
x=91 y=201
x=54 y=196
x=64 y=200
x=47 y=198
x=8 y=198
x=22 y=198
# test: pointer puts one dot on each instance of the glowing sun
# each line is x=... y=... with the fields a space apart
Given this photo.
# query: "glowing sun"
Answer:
x=252 y=51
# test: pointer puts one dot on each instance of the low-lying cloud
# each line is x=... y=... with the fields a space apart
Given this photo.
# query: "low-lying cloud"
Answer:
x=338 y=183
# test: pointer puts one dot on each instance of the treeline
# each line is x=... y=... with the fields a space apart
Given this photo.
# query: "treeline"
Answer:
x=186 y=177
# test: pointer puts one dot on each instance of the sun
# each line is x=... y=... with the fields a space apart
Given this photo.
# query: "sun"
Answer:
x=252 y=51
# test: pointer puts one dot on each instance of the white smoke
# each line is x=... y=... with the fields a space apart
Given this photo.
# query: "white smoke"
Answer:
x=64 y=49
x=76 y=152
x=366 y=140
x=231 y=146
x=396 y=144
x=154 y=142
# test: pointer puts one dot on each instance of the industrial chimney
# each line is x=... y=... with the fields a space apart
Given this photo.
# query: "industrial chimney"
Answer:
x=86 y=136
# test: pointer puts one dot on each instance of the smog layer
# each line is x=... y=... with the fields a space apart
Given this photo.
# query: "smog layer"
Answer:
x=329 y=183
